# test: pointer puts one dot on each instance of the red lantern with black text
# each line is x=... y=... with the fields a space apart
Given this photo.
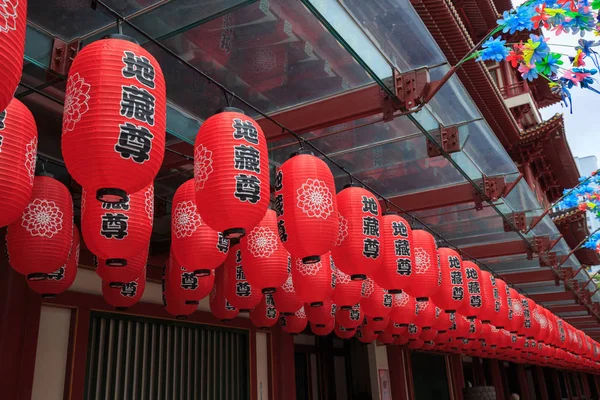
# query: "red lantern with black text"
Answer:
x=194 y=243
x=427 y=267
x=376 y=302
x=40 y=241
x=514 y=302
x=366 y=335
x=349 y=319
x=323 y=330
x=416 y=344
x=347 y=292
x=117 y=232
x=404 y=309
x=427 y=334
x=503 y=316
x=314 y=282
x=359 y=248
x=12 y=45
x=344 y=332
x=294 y=324
x=117 y=276
x=60 y=280
x=18 y=151
x=238 y=290
x=398 y=269
x=264 y=314
x=286 y=299
x=114 y=120
x=377 y=326
x=471 y=308
x=220 y=307
x=173 y=301
x=306 y=205
x=321 y=316
x=190 y=287
x=124 y=296
x=531 y=327
x=386 y=337
x=231 y=173
x=490 y=299
x=265 y=258
x=451 y=295
x=425 y=312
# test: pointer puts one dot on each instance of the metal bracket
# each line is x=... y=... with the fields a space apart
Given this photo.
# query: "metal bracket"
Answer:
x=587 y=296
x=493 y=188
x=63 y=55
x=448 y=138
x=518 y=220
x=541 y=244
x=566 y=274
x=411 y=87
x=549 y=261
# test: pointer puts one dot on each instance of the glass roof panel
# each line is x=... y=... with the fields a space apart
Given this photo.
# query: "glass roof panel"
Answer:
x=452 y=104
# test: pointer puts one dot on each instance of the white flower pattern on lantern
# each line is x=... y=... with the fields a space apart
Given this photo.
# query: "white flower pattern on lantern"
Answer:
x=308 y=269
x=401 y=299
x=202 y=166
x=300 y=313
x=342 y=278
x=262 y=242
x=42 y=218
x=342 y=229
x=76 y=101
x=422 y=305
x=31 y=158
x=368 y=287
x=149 y=202
x=315 y=199
x=517 y=308
x=8 y=15
x=288 y=286
x=186 y=218
x=422 y=260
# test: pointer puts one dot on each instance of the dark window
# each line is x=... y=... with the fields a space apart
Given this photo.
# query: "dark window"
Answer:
x=429 y=376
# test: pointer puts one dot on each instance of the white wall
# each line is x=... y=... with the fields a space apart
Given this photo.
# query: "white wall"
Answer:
x=51 y=355
x=262 y=365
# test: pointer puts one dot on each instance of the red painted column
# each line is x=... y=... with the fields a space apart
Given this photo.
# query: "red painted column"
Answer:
x=523 y=382
x=541 y=382
x=398 y=373
x=284 y=371
x=76 y=377
x=497 y=378
x=19 y=323
x=458 y=378
x=585 y=383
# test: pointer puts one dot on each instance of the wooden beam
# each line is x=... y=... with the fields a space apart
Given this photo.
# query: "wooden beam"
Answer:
x=564 y=309
x=500 y=249
x=435 y=198
x=558 y=296
x=541 y=275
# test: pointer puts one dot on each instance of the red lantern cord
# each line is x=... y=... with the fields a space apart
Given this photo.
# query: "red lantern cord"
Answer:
x=306 y=205
x=114 y=120
x=231 y=173
x=18 y=150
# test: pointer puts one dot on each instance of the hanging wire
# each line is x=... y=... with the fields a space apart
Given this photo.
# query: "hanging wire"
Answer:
x=303 y=141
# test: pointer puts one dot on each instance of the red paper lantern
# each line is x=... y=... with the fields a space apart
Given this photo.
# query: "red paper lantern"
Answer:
x=398 y=268
x=416 y=344
x=452 y=293
x=502 y=319
x=194 y=243
x=114 y=120
x=343 y=332
x=231 y=173
x=403 y=310
x=396 y=329
x=514 y=302
x=264 y=314
x=294 y=324
x=471 y=308
x=347 y=292
x=413 y=331
x=427 y=266
x=117 y=276
x=321 y=316
x=12 y=42
x=18 y=150
x=186 y=284
x=314 y=283
x=61 y=279
x=117 y=232
x=359 y=249
x=219 y=306
x=40 y=241
x=286 y=299
x=238 y=291
x=427 y=334
x=124 y=296
x=376 y=302
x=531 y=327
x=305 y=201
x=173 y=301
x=365 y=334
x=388 y=338
x=265 y=258
x=323 y=330
x=490 y=299
x=349 y=319
x=377 y=326
x=426 y=315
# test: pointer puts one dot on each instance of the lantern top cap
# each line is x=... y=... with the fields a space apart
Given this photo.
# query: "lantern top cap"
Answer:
x=388 y=212
x=120 y=36
x=301 y=152
x=230 y=109
x=352 y=184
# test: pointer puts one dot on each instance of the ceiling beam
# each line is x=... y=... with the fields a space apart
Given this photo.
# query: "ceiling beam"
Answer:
x=557 y=296
x=499 y=249
x=541 y=275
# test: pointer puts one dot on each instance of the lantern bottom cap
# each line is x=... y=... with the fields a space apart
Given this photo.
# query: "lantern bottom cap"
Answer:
x=121 y=308
x=37 y=276
x=116 y=262
x=49 y=296
x=311 y=259
x=395 y=336
x=358 y=277
x=378 y=332
x=395 y=291
x=245 y=310
x=422 y=299
x=181 y=317
x=350 y=329
x=346 y=308
x=202 y=272
x=234 y=233
x=116 y=285
x=317 y=304
x=269 y=290
x=226 y=320
x=287 y=314
x=449 y=311
x=321 y=325
x=192 y=302
x=112 y=195
x=378 y=319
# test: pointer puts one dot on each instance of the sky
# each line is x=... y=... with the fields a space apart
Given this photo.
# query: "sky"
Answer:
x=581 y=127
